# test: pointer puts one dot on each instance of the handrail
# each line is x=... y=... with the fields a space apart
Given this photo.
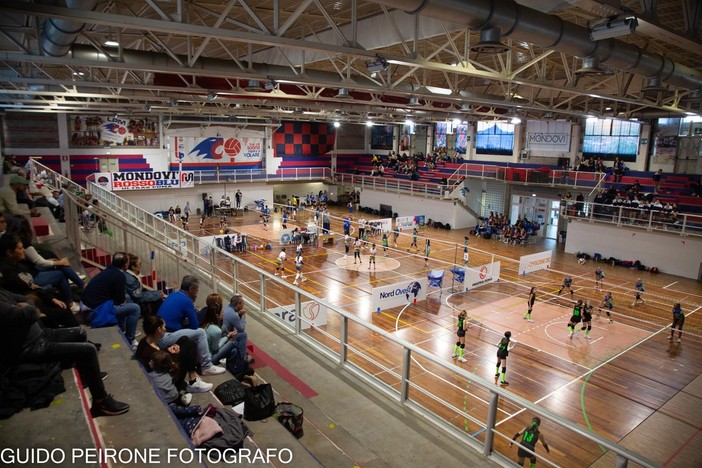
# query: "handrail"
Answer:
x=688 y=224
x=141 y=230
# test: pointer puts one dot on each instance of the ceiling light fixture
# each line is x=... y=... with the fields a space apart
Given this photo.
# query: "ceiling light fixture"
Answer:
x=270 y=85
x=211 y=96
x=337 y=124
x=111 y=43
x=369 y=123
x=253 y=86
x=614 y=26
x=379 y=64
x=413 y=101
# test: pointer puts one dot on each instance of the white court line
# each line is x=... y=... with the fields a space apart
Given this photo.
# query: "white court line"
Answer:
x=666 y=287
x=548 y=395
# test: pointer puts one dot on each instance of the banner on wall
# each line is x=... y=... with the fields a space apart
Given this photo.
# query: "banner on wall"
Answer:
x=218 y=150
x=409 y=222
x=399 y=294
x=533 y=262
x=484 y=274
x=144 y=180
x=548 y=136
x=313 y=313
x=95 y=130
x=384 y=225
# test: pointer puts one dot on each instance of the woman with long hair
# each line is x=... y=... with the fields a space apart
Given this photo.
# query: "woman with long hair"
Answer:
x=224 y=346
x=183 y=351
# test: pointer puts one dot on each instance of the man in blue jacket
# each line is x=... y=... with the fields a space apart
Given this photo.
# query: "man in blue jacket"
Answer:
x=109 y=285
x=178 y=311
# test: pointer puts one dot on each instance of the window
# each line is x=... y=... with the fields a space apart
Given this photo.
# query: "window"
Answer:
x=381 y=137
x=607 y=138
x=495 y=138
x=440 y=135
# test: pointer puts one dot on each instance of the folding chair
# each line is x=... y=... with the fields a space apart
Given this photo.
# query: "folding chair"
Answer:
x=436 y=277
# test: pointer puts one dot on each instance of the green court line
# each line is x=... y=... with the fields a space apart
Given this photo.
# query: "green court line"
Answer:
x=582 y=406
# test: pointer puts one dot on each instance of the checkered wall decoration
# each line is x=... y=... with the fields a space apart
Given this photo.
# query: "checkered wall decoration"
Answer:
x=303 y=139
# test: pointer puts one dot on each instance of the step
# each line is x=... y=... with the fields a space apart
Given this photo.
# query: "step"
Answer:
x=97 y=256
x=40 y=226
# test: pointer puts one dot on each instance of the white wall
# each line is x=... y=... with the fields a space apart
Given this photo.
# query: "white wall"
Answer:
x=444 y=211
x=668 y=252
x=161 y=200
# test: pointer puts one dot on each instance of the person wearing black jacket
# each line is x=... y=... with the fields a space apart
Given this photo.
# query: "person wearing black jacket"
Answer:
x=24 y=340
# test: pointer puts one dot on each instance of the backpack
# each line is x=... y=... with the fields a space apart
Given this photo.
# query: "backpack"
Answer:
x=291 y=416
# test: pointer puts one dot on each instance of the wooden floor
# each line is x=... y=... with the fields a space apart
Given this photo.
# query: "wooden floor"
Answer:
x=628 y=383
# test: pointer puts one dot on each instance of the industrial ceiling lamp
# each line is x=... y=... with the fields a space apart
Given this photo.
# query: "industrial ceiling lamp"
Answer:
x=490 y=42
x=377 y=65
x=413 y=101
x=343 y=94
x=211 y=96
x=613 y=26
x=591 y=67
x=653 y=85
x=253 y=86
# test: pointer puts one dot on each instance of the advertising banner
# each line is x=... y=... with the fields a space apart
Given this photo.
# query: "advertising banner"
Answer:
x=139 y=180
x=218 y=150
x=548 y=136
x=533 y=262
x=383 y=225
x=399 y=294
x=484 y=274
x=313 y=314
x=409 y=222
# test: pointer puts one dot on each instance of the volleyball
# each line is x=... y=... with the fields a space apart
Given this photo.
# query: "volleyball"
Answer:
x=581 y=261
x=221 y=231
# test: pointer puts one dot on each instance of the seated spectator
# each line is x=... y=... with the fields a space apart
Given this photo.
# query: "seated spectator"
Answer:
x=179 y=314
x=15 y=186
x=162 y=366
x=235 y=315
x=54 y=271
x=17 y=277
x=183 y=351
x=230 y=346
x=24 y=340
x=149 y=301
x=109 y=286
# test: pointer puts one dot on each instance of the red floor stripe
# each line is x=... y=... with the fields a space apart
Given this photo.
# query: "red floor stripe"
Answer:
x=263 y=358
x=97 y=439
x=680 y=449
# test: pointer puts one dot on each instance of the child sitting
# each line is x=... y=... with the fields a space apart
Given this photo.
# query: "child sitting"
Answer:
x=162 y=365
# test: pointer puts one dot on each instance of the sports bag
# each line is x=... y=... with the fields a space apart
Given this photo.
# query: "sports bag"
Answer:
x=291 y=417
x=259 y=402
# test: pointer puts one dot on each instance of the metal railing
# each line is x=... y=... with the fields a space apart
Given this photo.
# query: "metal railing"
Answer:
x=259 y=175
x=169 y=253
x=684 y=224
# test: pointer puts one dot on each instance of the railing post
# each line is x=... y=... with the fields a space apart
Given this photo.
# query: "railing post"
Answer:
x=298 y=313
x=235 y=277
x=343 y=339
x=619 y=216
x=622 y=461
x=490 y=424
x=404 y=386
x=262 y=292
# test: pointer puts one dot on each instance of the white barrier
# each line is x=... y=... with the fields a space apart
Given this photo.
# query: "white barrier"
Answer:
x=313 y=314
x=533 y=262
x=398 y=294
x=484 y=274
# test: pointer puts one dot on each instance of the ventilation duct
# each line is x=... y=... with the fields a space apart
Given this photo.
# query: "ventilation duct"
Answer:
x=653 y=85
x=550 y=32
x=59 y=35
